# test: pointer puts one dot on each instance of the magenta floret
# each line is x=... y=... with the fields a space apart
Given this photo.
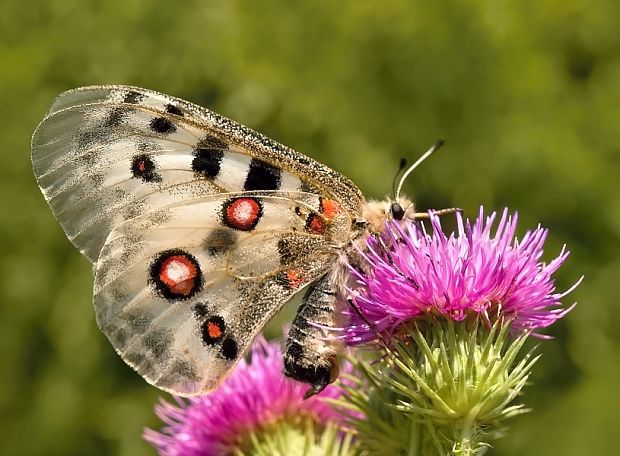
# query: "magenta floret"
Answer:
x=473 y=271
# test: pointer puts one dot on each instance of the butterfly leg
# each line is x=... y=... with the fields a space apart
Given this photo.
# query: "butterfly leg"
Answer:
x=308 y=357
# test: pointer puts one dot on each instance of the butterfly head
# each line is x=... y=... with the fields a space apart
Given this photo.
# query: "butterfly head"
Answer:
x=398 y=207
x=376 y=213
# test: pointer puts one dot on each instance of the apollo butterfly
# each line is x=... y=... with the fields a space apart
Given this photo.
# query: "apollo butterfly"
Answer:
x=199 y=231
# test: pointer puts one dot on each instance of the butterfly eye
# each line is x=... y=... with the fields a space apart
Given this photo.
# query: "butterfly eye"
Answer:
x=360 y=224
x=397 y=211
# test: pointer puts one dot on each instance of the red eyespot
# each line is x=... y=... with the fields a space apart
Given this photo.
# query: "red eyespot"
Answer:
x=242 y=213
x=176 y=274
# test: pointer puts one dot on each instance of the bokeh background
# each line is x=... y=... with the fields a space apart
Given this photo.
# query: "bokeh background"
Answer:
x=527 y=94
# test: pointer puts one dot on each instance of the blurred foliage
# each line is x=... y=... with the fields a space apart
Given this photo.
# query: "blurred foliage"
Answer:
x=527 y=94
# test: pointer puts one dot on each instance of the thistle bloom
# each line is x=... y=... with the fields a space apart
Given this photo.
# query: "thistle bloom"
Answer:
x=461 y=306
x=471 y=273
x=255 y=397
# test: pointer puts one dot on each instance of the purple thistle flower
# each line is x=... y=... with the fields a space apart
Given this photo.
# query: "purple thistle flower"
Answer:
x=469 y=273
x=254 y=397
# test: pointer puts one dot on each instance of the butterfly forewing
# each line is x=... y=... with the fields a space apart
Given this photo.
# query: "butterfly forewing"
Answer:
x=97 y=142
x=99 y=176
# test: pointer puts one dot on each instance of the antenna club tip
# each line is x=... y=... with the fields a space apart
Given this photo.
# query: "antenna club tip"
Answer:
x=440 y=142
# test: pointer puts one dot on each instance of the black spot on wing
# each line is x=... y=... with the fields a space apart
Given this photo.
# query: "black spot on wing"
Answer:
x=133 y=97
x=172 y=109
x=212 y=142
x=115 y=118
x=230 y=349
x=143 y=167
x=200 y=310
x=208 y=156
x=162 y=125
x=207 y=162
x=262 y=176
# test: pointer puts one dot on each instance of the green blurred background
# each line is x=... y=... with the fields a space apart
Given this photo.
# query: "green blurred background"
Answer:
x=527 y=94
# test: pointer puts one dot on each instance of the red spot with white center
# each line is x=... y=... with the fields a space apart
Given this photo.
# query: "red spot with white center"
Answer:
x=179 y=274
x=242 y=213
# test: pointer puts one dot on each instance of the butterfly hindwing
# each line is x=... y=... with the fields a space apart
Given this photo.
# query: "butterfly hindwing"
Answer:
x=181 y=292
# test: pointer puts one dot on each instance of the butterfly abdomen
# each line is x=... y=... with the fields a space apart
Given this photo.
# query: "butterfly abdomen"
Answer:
x=308 y=358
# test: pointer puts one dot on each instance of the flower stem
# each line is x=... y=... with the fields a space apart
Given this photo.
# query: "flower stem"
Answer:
x=465 y=443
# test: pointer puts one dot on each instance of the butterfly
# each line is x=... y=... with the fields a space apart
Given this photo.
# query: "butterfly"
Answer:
x=199 y=230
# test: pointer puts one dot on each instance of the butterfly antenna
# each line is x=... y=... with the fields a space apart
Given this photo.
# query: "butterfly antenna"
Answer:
x=401 y=166
x=433 y=148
